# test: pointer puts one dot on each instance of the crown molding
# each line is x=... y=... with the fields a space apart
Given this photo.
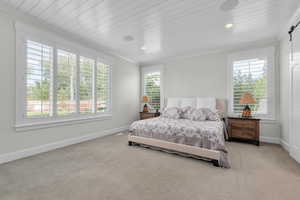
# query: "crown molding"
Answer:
x=225 y=49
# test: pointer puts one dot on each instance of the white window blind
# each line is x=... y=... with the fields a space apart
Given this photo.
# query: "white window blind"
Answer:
x=55 y=85
x=66 y=82
x=253 y=72
x=103 y=87
x=250 y=76
x=38 y=79
x=152 y=88
x=86 y=84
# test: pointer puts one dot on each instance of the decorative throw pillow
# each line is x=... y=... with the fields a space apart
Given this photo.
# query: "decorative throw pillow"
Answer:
x=193 y=114
x=172 y=113
x=211 y=115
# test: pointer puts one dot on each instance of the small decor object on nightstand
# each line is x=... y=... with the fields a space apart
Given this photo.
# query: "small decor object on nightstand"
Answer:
x=247 y=99
x=145 y=100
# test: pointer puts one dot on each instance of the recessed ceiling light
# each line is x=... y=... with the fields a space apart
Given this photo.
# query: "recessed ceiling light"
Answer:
x=228 y=26
x=143 y=48
x=128 y=38
x=228 y=5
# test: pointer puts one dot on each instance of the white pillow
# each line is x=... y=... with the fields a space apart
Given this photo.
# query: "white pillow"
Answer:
x=207 y=102
x=173 y=102
x=188 y=102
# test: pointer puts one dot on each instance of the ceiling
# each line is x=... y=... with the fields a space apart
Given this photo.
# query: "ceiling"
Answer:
x=161 y=28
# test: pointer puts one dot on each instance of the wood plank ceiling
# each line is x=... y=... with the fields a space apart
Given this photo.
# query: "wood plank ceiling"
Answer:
x=161 y=28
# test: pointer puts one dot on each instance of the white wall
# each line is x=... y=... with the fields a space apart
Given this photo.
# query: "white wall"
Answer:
x=284 y=89
x=206 y=75
x=196 y=76
x=125 y=97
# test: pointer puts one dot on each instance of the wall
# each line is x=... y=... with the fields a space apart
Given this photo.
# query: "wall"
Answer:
x=196 y=76
x=125 y=97
x=284 y=90
x=206 y=75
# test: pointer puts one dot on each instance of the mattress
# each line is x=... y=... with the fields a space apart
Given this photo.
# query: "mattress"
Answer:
x=204 y=134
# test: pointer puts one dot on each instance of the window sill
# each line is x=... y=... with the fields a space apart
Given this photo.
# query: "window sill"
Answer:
x=27 y=126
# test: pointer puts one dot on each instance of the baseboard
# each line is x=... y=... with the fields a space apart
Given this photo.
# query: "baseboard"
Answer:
x=285 y=145
x=4 y=158
x=295 y=153
x=274 y=140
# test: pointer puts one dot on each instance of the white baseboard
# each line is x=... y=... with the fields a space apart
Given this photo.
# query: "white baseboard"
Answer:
x=285 y=145
x=274 y=140
x=295 y=153
x=4 y=158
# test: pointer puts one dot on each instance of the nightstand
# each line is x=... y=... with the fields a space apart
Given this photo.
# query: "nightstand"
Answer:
x=147 y=115
x=244 y=129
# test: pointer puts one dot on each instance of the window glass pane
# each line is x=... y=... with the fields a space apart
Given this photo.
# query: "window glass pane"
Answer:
x=86 y=85
x=103 y=87
x=152 y=88
x=250 y=76
x=38 y=79
x=66 y=82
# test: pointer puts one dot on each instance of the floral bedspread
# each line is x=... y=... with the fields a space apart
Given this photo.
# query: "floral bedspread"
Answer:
x=205 y=134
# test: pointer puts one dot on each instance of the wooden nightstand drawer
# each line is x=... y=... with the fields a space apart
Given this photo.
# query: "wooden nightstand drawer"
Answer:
x=243 y=129
x=242 y=123
x=247 y=133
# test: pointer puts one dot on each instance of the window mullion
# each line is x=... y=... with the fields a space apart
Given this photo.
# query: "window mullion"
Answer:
x=77 y=84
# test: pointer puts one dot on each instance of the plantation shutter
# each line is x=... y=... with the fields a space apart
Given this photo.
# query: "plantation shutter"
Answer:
x=250 y=76
x=102 y=87
x=66 y=82
x=86 y=85
x=152 y=88
x=38 y=79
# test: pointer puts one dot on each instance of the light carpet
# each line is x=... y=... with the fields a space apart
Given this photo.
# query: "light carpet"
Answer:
x=107 y=168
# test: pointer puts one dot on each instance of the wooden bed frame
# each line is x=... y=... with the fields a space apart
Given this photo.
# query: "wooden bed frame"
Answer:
x=212 y=155
x=204 y=153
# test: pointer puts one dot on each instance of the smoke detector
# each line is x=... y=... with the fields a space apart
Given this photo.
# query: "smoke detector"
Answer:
x=128 y=38
x=229 y=5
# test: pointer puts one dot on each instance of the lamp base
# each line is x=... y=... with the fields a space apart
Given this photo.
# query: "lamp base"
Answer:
x=146 y=108
x=247 y=112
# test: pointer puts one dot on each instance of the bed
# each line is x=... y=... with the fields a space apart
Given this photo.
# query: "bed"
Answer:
x=199 y=139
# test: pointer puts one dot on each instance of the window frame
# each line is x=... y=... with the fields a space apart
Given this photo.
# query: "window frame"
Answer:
x=151 y=69
x=22 y=122
x=269 y=54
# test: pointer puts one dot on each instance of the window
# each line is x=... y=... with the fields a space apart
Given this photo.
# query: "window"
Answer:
x=102 y=87
x=60 y=85
x=66 y=83
x=152 y=86
x=253 y=72
x=38 y=79
x=86 y=85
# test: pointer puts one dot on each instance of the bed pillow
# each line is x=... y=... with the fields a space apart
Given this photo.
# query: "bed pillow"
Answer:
x=171 y=113
x=211 y=115
x=193 y=114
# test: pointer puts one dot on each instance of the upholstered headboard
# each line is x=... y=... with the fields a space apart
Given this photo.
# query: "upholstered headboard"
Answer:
x=219 y=104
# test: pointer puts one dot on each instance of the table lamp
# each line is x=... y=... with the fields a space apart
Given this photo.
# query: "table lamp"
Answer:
x=145 y=100
x=247 y=99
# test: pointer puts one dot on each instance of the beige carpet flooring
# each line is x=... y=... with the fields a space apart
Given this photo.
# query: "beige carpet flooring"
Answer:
x=106 y=168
